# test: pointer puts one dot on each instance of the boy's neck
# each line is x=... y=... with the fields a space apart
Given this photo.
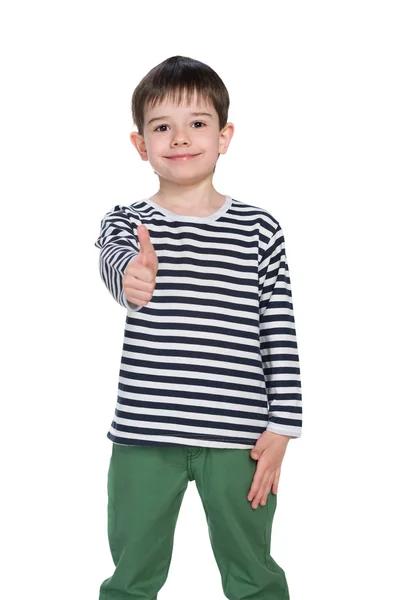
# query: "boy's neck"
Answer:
x=190 y=203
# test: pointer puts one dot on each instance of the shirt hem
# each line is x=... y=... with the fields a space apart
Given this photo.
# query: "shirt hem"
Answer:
x=181 y=441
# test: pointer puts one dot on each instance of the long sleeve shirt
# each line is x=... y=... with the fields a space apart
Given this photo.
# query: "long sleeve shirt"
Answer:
x=212 y=359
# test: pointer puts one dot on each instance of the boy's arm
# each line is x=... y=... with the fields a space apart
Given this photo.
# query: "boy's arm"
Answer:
x=118 y=246
x=278 y=343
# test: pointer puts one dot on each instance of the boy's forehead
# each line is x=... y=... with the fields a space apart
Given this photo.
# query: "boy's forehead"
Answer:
x=169 y=107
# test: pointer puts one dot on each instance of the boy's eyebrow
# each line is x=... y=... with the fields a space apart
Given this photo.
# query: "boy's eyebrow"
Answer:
x=193 y=114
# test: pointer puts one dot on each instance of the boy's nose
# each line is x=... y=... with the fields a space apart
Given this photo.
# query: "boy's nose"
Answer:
x=181 y=137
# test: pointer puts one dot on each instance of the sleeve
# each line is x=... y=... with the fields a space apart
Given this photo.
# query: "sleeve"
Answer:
x=118 y=246
x=278 y=342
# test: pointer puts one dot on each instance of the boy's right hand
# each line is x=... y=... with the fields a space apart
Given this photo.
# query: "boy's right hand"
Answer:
x=139 y=279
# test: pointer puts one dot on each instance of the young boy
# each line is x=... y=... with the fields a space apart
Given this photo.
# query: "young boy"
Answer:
x=209 y=385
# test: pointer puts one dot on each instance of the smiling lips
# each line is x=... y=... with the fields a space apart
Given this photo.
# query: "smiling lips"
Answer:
x=182 y=156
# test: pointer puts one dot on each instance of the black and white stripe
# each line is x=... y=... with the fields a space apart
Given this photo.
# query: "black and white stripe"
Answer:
x=212 y=359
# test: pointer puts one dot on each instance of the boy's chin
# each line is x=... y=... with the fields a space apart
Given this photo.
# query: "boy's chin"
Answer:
x=182 y=177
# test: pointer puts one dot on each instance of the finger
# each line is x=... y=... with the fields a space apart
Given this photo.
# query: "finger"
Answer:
x=138 y=300
x=151 y=261
x=147 y=254
x=257 y=479
x=259 y=495
x=263 y=491
x=142 y=273
x=253 y=491
x=267 y=486
x=254 y=486
x=276 y=482
x=258 y=487
x=267 y=492
x=144 y=239
x=134 y=288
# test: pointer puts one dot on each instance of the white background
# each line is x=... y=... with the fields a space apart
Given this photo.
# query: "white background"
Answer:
x=315 y=99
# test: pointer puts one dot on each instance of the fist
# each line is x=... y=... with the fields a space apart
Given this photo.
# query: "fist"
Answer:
x=139 y=279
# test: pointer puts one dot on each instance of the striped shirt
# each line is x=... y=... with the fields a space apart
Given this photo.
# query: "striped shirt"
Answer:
x=212 y=359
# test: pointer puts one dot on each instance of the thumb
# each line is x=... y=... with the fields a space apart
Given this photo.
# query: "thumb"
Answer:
x=147 y=250
x=255 y=452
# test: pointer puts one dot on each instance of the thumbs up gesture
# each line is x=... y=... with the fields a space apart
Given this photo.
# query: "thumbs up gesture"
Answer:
x=139 y=279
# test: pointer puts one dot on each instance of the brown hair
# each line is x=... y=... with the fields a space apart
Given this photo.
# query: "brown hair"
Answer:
x=174 y=77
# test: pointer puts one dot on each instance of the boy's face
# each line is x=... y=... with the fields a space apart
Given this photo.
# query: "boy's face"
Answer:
x=170 y=130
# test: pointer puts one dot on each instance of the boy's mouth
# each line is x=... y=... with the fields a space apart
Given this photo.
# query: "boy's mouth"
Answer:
x=181 y=156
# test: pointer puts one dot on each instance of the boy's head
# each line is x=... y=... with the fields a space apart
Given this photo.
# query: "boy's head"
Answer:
x=162 y=107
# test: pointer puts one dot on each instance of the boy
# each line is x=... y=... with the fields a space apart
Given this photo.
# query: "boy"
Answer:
x=209 y=385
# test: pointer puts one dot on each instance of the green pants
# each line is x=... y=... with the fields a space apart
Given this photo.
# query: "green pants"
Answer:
x=146 y=485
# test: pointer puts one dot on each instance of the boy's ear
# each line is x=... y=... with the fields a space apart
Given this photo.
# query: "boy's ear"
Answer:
x=226 y=135
x=138 y=141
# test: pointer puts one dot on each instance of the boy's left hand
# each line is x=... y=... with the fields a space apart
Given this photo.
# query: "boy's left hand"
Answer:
x=269 y=452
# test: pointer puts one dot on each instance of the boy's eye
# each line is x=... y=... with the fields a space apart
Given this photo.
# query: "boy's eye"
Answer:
x=201 y=123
